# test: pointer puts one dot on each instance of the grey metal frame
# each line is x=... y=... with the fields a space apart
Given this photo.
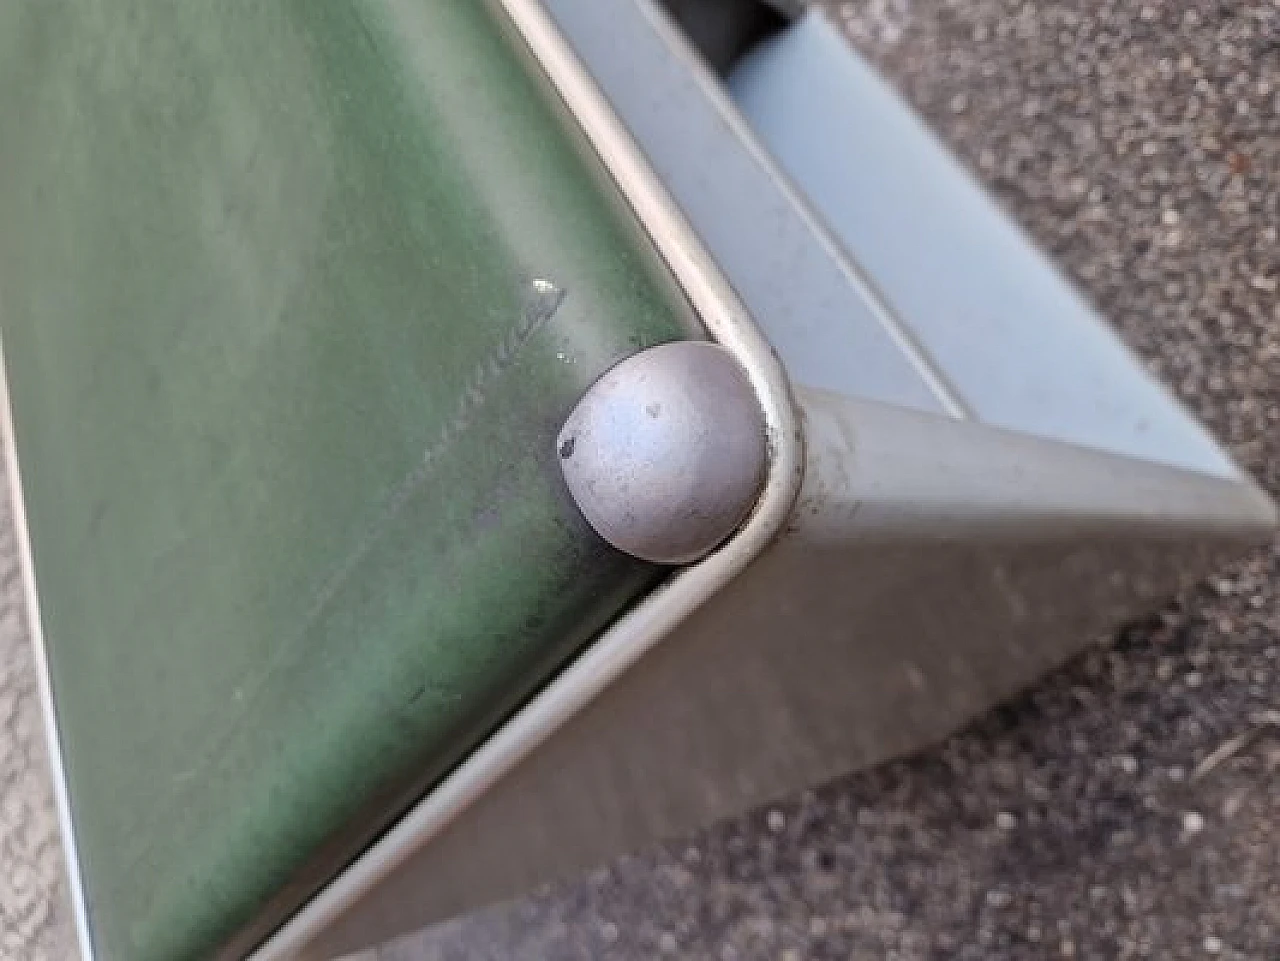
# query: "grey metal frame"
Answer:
x=1017 y=343
x=930 y=569
x=930 y=566
x=373 y=882
x=910 y=560
x=818 y=308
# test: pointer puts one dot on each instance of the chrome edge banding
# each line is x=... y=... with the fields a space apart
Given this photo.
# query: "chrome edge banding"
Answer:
x=656 y=615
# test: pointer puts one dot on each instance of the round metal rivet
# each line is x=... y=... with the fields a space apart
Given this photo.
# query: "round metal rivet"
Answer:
x=665 y=455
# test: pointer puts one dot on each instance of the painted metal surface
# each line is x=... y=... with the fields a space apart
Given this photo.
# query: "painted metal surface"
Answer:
x=892 y=601
x=1014 y=339
x=666 y=453
x=930 y=569
x=295 y=298
x=816 y=307
x=368 y=901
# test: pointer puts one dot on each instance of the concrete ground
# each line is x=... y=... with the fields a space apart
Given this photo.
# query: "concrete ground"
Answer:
x=1127 y=805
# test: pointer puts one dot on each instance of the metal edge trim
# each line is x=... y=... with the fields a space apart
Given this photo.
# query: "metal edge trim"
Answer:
x=885 y=314
x=53 y=739
x=659 y=613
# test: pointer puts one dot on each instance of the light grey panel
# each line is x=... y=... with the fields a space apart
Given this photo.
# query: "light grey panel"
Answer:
x=1008 y=332
x=931 y=568
x=827 y=326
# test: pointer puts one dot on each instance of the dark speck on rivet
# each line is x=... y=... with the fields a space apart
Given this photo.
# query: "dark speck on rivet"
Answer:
x=566 y=449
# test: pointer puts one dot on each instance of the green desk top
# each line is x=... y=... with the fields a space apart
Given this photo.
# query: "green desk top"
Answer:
x=295 y=296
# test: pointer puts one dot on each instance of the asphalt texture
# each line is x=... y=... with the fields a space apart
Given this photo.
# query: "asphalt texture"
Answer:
x=1128 y=805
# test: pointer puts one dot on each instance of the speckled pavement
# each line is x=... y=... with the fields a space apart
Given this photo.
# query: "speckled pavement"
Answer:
x=1129 y=805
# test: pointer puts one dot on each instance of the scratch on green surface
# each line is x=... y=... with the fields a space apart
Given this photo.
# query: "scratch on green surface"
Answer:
x=542 y=300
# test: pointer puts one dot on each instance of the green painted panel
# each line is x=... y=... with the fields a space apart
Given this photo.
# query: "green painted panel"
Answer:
x=295 y=296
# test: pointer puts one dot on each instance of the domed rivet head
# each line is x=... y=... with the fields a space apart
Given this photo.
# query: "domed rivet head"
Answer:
x=665 y=454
